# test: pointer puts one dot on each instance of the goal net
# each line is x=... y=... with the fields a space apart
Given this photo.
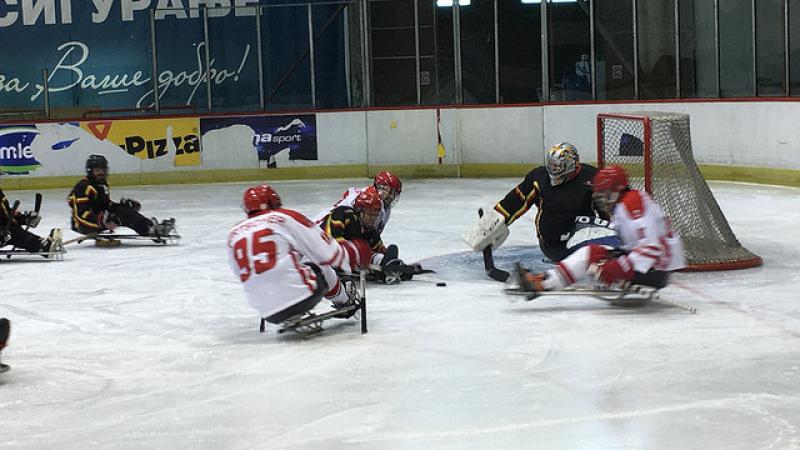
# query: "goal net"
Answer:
x=655 y=148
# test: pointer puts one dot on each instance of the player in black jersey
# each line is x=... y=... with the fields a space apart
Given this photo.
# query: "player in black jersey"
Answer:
x=561 y=191
x=345 y=223
x=93 y=211
x=14 y=229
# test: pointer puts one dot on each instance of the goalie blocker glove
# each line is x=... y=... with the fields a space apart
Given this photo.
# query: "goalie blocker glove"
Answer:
x=490 y=230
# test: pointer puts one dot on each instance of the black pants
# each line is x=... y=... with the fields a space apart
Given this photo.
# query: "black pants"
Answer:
x=128 y=217
x=555 y=251
x=304 y=305
x=19 y=237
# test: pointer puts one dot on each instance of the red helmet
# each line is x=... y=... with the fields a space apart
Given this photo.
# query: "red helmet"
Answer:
x=385 y=178
x=368 y=200
x=610 y=178
x=607 y=184
x=260 y=198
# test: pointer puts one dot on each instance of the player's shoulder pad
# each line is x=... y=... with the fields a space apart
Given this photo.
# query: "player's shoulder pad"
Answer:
x=632 y=201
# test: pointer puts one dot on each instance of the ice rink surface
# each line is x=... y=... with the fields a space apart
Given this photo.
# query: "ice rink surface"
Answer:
x=142 y=346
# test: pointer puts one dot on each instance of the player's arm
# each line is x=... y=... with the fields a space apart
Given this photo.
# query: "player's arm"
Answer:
x=492 y=228
x=374 y=240
x=519 y=200
x=325 y=250
x=342 y=224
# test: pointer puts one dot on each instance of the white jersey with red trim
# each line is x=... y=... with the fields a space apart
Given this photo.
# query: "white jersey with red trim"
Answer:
x=266 y=251
x=647 y=234
x=349 y=199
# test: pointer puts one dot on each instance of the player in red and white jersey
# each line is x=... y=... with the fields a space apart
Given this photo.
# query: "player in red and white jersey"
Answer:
x=650 y=249
x=285 y=262
x=389 y=188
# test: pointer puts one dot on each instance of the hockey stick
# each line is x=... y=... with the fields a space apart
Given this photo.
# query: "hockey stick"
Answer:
x=488 y=262
x=79 y=239
x=362 y=285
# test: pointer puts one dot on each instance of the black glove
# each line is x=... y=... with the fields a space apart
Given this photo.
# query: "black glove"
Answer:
x=393 y=270
x=31 y=218
x=130 y=203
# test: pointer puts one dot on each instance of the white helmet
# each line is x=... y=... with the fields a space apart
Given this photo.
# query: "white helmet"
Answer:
x=562 y=163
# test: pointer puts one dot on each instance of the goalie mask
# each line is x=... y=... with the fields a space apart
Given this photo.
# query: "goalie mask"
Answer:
x=562 y=163
x=607 y=185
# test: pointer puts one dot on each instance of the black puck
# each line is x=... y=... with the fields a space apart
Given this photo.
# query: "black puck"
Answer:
x=441 y=284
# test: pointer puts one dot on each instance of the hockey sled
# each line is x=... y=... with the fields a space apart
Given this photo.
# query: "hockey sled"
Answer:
x=49 y=256
x=634 y=295
x=4 y=368
x=310 y=323
x=106 y=239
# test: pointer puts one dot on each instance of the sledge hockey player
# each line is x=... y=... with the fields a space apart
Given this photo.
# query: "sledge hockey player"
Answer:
x=5 y=329
x=13 y=233
x=650 y=249
x=359 y=221
x=94 y=212
x=388 y=187
x=286 y=263
x=561 y=191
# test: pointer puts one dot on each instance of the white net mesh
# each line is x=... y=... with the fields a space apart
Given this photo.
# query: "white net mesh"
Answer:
x=674 y=181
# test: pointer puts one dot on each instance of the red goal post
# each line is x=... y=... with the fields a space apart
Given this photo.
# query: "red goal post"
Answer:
x=655 y=148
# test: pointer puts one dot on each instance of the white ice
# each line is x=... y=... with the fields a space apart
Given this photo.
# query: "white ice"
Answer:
x=143 y=346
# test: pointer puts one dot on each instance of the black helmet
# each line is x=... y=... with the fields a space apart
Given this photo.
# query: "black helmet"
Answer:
x=96 y=162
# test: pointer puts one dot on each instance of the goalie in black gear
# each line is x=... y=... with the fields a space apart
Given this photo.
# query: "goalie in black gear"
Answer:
x=561 y=191
x=12 y=231
x=93 y=211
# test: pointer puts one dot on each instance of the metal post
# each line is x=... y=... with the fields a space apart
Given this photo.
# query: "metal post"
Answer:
x=416 y=52
x=153 y=51
x=755 y=50
x=592 y=50
x=787 y=74
x=365 y=53
x=46 y=92
x=677 y=49
x=545 y=51
x=496 y=56
x=457 y=52
x=207 y=57
x=260 y=57
x=348 y=58
x=310 y=16
x=635 y=50
x=716 y=47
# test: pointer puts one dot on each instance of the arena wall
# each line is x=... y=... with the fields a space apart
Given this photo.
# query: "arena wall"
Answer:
x=737 y=140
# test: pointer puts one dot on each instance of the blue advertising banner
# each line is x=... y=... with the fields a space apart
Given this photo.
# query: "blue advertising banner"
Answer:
x=271 y=135
x=98 y=54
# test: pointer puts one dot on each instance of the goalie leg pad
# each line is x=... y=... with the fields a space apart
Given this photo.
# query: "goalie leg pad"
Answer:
x=490 y=230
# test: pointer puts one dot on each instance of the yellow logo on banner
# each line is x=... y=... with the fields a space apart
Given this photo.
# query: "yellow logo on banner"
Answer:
x=152 y=138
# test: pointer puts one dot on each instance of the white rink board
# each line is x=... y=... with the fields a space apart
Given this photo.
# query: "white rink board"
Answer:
x=744 y=134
